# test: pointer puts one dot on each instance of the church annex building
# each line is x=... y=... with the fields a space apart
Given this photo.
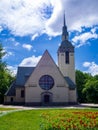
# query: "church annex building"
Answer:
x=47 y=83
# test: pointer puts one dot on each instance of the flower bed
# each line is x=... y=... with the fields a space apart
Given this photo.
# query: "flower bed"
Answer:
x=69 y=120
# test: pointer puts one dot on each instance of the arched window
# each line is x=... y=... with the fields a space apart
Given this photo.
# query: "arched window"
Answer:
x=67 y=57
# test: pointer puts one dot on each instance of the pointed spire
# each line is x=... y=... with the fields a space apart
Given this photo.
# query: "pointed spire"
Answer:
x=64 y=30
x=64 y=20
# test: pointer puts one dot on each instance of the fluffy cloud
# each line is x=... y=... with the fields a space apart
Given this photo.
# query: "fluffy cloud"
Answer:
x=92 y=67
x=33 y=17
x=86 y=64
x=27 y=46
x=23 y=17
x=84 y=37
x=13 y=69
x=30 y=61
x=93 y=30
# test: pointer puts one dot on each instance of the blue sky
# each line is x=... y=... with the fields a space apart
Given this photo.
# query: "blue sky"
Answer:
x=29 y=27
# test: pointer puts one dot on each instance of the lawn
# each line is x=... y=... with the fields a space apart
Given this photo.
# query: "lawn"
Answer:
x=50 y=119
x=6 y=109
x=21 y=120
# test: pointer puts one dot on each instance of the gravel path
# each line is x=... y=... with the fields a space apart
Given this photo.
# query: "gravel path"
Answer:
x=49 y=107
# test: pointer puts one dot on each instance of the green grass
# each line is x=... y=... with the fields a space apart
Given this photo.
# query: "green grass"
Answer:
x=6 y=109
x=21 y=120
x=27 y=119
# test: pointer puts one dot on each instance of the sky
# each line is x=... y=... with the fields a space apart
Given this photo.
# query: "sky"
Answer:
x=29 y=27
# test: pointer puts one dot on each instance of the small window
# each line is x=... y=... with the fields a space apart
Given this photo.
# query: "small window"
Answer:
x=67 y=57
x=22 y=93
x=62 y=54
x=11 y=99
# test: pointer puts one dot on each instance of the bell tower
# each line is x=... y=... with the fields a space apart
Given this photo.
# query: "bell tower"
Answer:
x=66 y=55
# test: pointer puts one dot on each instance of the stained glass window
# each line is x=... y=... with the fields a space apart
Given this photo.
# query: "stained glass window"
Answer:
x=46 y=82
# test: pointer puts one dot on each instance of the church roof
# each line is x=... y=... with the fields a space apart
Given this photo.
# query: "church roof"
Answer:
x=11 y=90
x=70 y=83
x=23 y=74
x=66 y=46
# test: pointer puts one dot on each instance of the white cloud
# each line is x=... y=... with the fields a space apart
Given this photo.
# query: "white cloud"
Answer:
x=92 y=67
x=13 y=69
x=86 y=64
x=82 y=38
x=1 y=29
x=8 y=53
x=93 y=30
x=29 y=17
x=30 y=61
x=27 y=46
x=23 y=17
x=34 y=36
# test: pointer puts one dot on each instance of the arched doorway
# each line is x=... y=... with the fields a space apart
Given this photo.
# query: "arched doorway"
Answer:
x=46 y=98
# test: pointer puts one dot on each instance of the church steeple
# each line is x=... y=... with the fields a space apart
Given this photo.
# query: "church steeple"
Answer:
x=66 y=54
x=64 y=20
x=64 y=31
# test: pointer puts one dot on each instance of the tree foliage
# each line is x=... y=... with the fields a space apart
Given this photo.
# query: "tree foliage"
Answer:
x=87 y=87
x=80 y=82
x=5 y=76
x=91 y=91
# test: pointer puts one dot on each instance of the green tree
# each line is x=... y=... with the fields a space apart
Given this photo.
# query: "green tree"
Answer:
x=91 y=91
x=96 y=77
x=80 y=82
x=5 y=76
x=81 y=79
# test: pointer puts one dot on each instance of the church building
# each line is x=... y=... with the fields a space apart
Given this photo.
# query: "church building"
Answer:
x=47 y=83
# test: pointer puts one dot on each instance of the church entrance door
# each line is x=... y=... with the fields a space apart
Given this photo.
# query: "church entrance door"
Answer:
x=46 y=99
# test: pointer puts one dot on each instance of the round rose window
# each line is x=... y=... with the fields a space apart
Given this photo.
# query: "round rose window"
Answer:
x=46 y=82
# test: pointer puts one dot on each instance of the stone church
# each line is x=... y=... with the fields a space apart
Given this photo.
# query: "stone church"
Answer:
x=47 y=83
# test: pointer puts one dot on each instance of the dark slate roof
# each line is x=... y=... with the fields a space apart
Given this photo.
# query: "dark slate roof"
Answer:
x=23 y=74
x=11 y=90
x=70 y=83
x=66 y=46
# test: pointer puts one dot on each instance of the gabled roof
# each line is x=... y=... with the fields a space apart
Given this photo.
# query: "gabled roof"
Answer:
x=46 y=65
x=23 y=74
